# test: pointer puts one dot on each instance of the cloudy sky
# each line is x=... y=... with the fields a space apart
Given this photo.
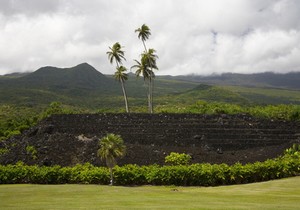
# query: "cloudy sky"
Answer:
x=190 y=36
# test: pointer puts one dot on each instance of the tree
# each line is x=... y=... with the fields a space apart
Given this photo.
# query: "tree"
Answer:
x=111 y=147
x=117 y=54
x=148 y=59
x=143 y=34
x=121 y=76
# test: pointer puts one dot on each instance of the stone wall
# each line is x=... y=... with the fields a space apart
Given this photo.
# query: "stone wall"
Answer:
x=71 y=139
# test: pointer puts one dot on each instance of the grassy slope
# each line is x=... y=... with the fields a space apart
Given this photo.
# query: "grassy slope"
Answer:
x=278 y=194
x=266 y=95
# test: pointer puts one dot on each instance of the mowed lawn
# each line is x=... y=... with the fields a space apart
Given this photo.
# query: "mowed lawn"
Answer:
x=277 y=194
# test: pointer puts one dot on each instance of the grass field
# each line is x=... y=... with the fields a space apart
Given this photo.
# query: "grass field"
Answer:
x=278 y=194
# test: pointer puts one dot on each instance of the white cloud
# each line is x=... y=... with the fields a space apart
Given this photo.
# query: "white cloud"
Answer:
x=195 y=36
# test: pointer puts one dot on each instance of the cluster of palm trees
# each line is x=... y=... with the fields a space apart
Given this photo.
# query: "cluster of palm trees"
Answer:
x=144 y=67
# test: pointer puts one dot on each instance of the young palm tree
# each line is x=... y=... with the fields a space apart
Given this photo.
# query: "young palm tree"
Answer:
x=111 y=147
x=117 y=54
x=121 y=76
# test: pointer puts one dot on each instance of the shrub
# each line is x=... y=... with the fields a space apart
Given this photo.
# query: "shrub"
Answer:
x=178 y=159
x=187 y=175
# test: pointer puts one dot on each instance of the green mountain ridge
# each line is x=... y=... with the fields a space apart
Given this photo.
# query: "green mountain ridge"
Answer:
x=85 y=86
x=289 y=80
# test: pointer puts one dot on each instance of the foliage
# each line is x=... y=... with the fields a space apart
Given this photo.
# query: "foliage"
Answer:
x=294 y=150
x=175 y=158
x=14 y=120
x=31 y=150
x=282 y=112
x=186 y=175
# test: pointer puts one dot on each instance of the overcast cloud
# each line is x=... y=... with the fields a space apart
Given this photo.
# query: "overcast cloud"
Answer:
x=190 y=36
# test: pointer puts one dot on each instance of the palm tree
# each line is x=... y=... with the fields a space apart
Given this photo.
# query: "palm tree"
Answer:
x=121 y=76
x=111 y=147
x=142 y=68
x=143 y=34
x=117 y=54
x=150 y=59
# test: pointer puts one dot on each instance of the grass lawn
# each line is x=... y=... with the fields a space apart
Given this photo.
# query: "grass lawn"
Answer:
x=278 y=194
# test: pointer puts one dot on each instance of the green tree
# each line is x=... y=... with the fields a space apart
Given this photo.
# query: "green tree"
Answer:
x=148 y=60
x=117 y=54
x=111 y=147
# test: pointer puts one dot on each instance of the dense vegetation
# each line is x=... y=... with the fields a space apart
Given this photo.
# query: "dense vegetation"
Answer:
x=187 y=175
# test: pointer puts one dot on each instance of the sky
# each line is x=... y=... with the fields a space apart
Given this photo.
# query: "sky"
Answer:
x=200 y=37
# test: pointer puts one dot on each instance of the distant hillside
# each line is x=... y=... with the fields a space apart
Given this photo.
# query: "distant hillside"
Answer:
x=80 y=76
x=84 y=86
x=81 y=85
x=288 y=81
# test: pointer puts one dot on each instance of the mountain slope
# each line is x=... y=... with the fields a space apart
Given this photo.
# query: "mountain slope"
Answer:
x=80 y=76
x=81 y=85
x=268 y=79
x=84 y=86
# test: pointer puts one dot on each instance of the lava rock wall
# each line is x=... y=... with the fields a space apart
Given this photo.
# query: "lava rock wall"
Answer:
x=71 y=139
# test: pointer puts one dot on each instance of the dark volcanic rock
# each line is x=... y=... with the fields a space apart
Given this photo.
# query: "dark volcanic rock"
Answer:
x=71 y=139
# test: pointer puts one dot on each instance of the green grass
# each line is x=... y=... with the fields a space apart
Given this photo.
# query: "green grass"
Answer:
x=278 y=194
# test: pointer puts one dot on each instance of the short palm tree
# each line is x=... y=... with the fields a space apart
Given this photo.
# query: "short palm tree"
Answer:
x=111 y=147
x=117 y=54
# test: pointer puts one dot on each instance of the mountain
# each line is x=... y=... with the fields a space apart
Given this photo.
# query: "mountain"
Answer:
x=81 y=85
x=69 y=85
x=81 y=76
x=86 y=87
x=268 y=79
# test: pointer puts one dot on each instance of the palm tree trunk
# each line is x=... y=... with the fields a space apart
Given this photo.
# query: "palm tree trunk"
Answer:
x=145 y=46
x=125 y=96
x=152 y=87
x=111 y=176
x=149 y=96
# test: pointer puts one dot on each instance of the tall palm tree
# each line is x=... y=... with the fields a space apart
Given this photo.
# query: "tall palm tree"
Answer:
x=117 y=54
x=143 y=69
x=111 y=147
x=143 y=34
x=121 y=76
x=150 y=59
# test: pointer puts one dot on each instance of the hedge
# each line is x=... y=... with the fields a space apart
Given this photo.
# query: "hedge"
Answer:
x=184 y=175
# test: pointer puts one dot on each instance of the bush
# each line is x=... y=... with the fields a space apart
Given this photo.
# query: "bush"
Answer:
x=177 y=159
x=186 y=175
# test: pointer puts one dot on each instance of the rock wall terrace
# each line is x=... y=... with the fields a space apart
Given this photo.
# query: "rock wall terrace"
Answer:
x=71 y=139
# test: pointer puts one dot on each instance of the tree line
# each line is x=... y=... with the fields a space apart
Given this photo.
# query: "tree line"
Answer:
x=144 y=67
